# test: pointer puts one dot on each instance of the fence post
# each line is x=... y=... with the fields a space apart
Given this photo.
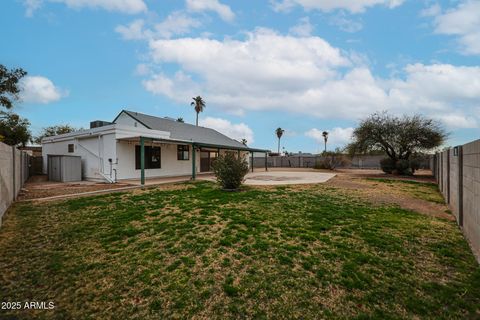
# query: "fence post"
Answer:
x=460 y=186
x=14 y=174
x=448 y=176
x=440 y=175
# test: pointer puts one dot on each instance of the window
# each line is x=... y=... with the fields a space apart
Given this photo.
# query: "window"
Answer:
x=183 y=152
x=152 y=157
x=71 y=148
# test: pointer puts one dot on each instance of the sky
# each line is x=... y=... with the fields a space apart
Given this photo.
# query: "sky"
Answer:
x=303 y=65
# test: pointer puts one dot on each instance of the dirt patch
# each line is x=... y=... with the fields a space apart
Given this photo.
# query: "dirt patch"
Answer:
x=383 y=193
x=420 y=175
x=38 y=187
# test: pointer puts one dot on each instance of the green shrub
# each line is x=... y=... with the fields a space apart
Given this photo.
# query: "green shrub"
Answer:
x=418 y=160
x=402 y=167
x=387 y=165
x=230 y=171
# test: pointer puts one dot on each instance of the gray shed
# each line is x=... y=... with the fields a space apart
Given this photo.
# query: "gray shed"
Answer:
x=64 y=168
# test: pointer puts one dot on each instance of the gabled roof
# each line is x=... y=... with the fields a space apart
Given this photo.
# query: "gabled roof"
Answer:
x=184 y=131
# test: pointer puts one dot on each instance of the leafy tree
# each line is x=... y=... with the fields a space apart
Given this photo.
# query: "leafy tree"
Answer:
x=244 y=141
x=279 y=132
x=14 y=130
x=230 y=171
x=9 y=85
x=325 y=138
x=53 y=131
x=180 y=120
x=399 y=137
x=199 y=105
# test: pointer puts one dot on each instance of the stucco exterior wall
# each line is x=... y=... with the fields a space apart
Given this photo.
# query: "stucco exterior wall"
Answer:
x=95 y=152
x=170 y=166
x=124 y=119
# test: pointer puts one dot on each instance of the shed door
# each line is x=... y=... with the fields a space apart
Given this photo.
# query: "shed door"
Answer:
x=55 y=168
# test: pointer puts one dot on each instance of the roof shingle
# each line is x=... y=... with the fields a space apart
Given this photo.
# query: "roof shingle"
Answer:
x=185 y=131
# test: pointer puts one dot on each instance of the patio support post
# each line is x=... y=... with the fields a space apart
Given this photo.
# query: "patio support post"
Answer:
x=194 y=170
x=252 y=159
x=238 y=154
x=142 y=161
x=266 y=162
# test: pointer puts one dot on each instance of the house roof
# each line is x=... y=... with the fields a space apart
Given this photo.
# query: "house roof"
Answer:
x=186 y=132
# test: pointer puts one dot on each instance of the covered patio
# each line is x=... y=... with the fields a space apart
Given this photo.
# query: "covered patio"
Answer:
x=202 y=156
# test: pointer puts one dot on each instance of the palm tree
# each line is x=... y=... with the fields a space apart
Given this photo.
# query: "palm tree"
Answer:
x=325 y=138
x=199 y=105
x=244 y=141
x=279 y=133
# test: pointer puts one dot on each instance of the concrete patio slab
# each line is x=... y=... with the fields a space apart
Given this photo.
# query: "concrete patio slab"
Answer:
x=271 y=178
x=286 y=177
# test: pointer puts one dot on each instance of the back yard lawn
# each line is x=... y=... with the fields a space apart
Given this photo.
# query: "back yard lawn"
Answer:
x=193 y=251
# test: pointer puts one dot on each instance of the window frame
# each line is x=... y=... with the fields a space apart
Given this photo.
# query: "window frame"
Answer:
x=149 y=154
x=71 y=148
x=183 y=149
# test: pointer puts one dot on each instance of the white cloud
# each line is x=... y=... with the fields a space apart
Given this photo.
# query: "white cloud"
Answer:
x=353 y=6
x=431 y=11
x=464 y=22
x=224 y=11
x=134 y=30
x=124 y=6
x=235 y=131
x=436 y=88
x=458 y=120
x=303 y=29
x=345 y=24
x=179 y=88
x=177 y=23
x=142 y=69
x=306 y=75
x=37 y=89
x=336 y=136
x=31 y=6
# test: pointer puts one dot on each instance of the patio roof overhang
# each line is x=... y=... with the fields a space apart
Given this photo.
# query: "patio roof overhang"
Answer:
x=193 y=143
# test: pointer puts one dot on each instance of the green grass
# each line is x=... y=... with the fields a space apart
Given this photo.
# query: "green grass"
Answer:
x=196 y=251
x=421 y=190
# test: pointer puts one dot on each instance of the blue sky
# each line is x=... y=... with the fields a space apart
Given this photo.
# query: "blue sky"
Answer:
x=303 y=65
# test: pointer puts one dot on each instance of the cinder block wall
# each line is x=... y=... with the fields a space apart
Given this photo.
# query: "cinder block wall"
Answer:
x=458 y=178
x=13 y=173
x=471 y=193
x=444 y=174
x=308 y=161
x=6 y=178
x=455 y=181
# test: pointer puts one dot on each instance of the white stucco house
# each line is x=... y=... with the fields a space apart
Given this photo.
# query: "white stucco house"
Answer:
x=139 y=146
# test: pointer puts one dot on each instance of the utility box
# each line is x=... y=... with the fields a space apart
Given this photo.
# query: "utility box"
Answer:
x=64 y=168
